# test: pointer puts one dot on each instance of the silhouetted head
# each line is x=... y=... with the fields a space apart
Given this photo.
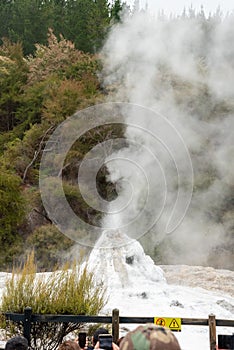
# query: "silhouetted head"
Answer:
x=17 y=343
x=96 y=334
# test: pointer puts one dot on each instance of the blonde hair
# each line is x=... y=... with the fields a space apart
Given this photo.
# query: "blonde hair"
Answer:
x=69 y=345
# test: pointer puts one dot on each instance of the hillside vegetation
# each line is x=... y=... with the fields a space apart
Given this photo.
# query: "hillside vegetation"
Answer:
x=46 y=76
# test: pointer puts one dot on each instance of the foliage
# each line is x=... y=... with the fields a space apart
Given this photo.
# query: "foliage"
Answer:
x=56 y=58
x=11 y=204
x=12 y=209
x=27 y=22
x=60 y=78
x=13 y=73
x=64 y=98
x=71 y=290
x=85 y=22
x=51 y=86
x=49 y=245
x=20 y=153
x=44 y=79
x=116 y=11
x=37 y=93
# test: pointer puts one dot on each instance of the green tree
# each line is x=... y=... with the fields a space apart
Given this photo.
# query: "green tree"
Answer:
x=76 y=23
x=13 y=75
x=12 y=210
x=28 y=23
x=116 y=10
x=99 y=23
x=56 y=11
x=49 y=245
x=5 y=15
x=86 y=23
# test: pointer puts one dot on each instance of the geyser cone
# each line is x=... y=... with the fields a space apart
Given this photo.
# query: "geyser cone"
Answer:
x=122 y=265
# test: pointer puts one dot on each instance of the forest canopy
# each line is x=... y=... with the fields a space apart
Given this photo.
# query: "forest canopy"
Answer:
x=84 y=22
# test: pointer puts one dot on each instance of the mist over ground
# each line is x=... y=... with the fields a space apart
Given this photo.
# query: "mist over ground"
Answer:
x=181 y=68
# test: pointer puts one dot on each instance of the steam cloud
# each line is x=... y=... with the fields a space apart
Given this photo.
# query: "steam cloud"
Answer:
x=183 y=69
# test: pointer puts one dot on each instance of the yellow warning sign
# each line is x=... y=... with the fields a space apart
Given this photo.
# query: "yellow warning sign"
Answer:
x=174 y=324
x=161 y=322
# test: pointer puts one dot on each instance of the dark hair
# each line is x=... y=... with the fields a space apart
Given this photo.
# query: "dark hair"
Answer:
x=96 y=334
x=17 y=343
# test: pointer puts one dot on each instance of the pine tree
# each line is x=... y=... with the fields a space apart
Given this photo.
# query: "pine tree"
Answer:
x=116 y=11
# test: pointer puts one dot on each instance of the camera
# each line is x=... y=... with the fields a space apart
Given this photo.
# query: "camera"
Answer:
x=105 y=341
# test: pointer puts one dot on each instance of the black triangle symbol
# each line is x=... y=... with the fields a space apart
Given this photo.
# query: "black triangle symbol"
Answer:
x=174 y=324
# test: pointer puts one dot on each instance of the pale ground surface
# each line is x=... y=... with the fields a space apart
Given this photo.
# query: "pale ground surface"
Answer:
x=139 y=288
x=205 y=277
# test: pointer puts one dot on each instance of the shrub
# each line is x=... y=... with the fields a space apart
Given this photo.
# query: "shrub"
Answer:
x=71 y=290
x=12 y=207
x=49 y=245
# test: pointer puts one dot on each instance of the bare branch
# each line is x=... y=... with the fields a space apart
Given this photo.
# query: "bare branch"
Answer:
x=36 y=153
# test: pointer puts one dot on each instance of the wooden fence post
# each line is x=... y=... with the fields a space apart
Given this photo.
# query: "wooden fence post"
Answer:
x=115 y=325
x=27 y=323
x=212 y=331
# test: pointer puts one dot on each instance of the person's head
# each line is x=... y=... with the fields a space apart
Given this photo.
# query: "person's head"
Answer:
x=97 y=333
x=69 y=345
x=17 y=343
x=150 y=337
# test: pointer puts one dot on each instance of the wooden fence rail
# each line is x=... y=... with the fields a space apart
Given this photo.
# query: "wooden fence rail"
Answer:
x=27 y=318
